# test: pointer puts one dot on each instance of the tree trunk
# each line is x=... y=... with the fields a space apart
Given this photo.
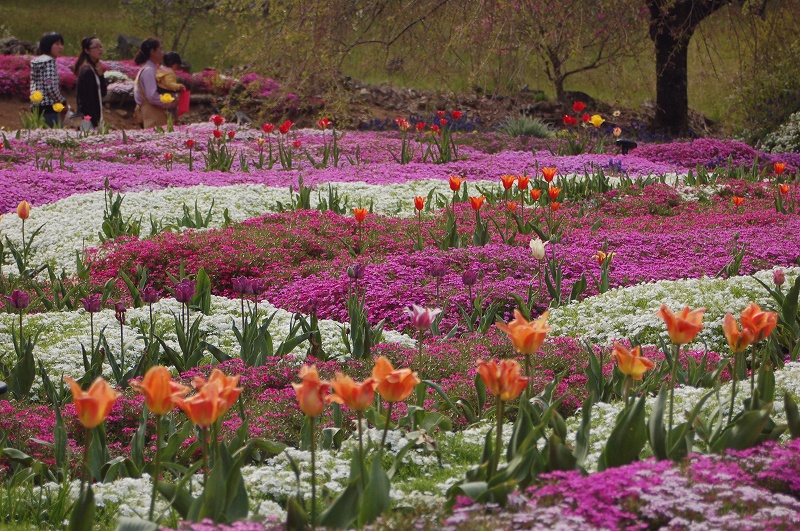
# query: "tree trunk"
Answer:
x=672 y=73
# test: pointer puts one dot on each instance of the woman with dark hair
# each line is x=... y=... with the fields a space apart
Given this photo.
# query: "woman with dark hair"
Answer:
x=44 y=78
x=145 y=89
x=91 y=87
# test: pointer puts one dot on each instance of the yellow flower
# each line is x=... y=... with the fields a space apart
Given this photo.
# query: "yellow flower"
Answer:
x=596 y=120
x=58 y=107
x=37 y=97
x=167 y=98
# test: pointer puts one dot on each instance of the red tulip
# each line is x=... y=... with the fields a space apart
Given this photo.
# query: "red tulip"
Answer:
x=285 y=126
x=548 y=173
x=190 y=143
x=218 y=120
x=217 y=134
x=420 y=126
x=419 y=202
x=456 y=115
x=231 y=134
x=578 y=106
x=323 y=123
x=268 y=128
x=570 y=120
x=476 y=202
x=440 y=114
x=778 y=167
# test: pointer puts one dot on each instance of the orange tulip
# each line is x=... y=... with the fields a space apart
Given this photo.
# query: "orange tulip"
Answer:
x=455 y=183
x=419 y=203
x=158 y=388
x=394 y=385
x=94 y=405
x=511 y=206
x=758 y=322
x=778 y=167
x=228 y=392
x=630 y=362
x=601 y=257
x=737 y=200
x=476 y=202
x=555 y=206
x=204 y=407
x=522 y=182
x=784 y=188
x=549 y=173
x=311 y=393
x=682 y=327
x=504 y=379
x=508 y=181
x=737 y=340
x=360 y=214
x=536 y=194
x=553 y=192
x=23 y=210
x=356 y=396
x=526 y=336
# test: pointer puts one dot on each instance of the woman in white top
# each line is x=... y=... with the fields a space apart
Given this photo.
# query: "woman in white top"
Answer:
x=145 y=89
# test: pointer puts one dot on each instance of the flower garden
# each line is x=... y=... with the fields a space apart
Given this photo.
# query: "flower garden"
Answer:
x=225 y=327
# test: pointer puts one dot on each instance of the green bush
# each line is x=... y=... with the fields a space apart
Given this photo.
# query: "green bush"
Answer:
x=525 y=126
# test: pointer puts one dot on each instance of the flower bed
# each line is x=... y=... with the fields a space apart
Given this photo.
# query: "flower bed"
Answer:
x=642 y=233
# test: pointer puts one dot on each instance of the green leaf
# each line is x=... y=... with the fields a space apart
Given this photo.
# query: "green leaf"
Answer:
x=792 y=415
x=125 y=523
x=375 y=500
x=343 y=511
x=627 y=438
x=296 y=516
x=82 y=517
x=745 y=431
x=655 y=426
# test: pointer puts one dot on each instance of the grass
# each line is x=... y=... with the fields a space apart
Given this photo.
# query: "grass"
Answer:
x=75 y=19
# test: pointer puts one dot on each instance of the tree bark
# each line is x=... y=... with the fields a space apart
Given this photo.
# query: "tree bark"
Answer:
x=672 y=75
x=672 y=24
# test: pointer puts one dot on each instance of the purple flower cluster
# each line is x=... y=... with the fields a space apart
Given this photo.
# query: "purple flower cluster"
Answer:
x=752 y=489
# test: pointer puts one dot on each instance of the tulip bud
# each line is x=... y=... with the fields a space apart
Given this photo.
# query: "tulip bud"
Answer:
x=92 y=303
x=119 y=312
x=149 y=295
x=469 y=277
x=779 y=277
x=20 y=299
x=23 y=210
x=356 y=272
x=184 y=291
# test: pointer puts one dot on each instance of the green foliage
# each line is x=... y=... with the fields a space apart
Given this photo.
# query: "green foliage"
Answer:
x=114 y=225
x=525 y=126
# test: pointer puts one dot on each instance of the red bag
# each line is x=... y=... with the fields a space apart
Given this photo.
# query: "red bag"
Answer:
x=183 y=101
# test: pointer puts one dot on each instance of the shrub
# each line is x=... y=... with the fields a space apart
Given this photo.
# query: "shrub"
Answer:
x=525 y=126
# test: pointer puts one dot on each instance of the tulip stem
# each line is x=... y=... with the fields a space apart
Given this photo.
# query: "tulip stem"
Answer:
x=419 y=345
x=361 y=450
x=734 y=376
x=386 y=424
x=627 y=389
x=528 y=373
x=498 y=441
x=752 y=374
x=121 y=346
x=676 y=349
x=157 y=469
x=204 y=445
x=313 y=475
x=242 y=299
x=86 y=477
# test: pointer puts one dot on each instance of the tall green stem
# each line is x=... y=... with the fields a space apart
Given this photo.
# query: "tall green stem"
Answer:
x=386 y=424
x=204 y=445
x=499 y=440
x=419 y=352
x=91 y=328
x=86 y=477
x=627 y=390
x=676 y=349
x=313 y=475
x=359 y=416
x=734 y=377
x=752 y=374
x=157 y=470
x=528 y=373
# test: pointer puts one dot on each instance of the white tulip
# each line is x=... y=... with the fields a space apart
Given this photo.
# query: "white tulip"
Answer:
x=537 y=248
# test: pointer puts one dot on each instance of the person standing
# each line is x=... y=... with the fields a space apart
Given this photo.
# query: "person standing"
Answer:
x=44 y=78
x=145 y=89
x=92 y=85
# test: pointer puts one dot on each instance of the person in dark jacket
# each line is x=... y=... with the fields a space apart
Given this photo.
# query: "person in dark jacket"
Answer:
x=91 y=86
